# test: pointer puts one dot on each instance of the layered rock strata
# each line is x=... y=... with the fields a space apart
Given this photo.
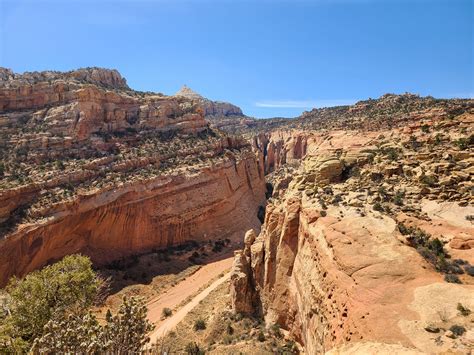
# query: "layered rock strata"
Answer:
x=91 y=166
x=344 y=262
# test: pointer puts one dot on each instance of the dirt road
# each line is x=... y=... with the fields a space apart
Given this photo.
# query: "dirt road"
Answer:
x=181 y=291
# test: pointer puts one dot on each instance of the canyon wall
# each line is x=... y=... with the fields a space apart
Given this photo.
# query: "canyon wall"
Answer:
x=331 y=281
x=331 y=266
x=90 y=166
x=165 y=211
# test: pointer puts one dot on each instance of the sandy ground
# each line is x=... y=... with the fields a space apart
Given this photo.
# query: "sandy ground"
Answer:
x=183 y=290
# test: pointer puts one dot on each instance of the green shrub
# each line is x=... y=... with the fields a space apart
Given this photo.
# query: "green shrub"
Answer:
x=428 y=180
x=193 y=349
x=275 y=330
x=464 y=311
x=469 y=270
x=68 y=286
x=261 y=336
x=404 y=229
x=59 y=165
x=398 y=198
x=432 y=249
x=391 y=153
x=454 y=279
x=462 y=143
x=288 y=348
x=166 y=312
x=378 y=207
x=457 y=330
x=200 y=324
x=124 y=333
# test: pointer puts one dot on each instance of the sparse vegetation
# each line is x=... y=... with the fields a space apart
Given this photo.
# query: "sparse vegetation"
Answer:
x=193 y=349
x=275 y=330
x=377 y=206
x=457 y=330
x=199 y=324
x=463 y=143
x=398 y=198
x=391 y=153
x=469 y=270
x=124 y=333
x=454 y=279
x=166 y=312
x=433 y=251
x=428 y=180
x=464 y=311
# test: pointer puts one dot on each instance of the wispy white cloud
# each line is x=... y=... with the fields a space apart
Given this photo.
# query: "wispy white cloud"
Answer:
x=303 y=103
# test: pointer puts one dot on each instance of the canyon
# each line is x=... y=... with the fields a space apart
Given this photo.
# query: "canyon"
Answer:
x=351 y=226
x=92 y=167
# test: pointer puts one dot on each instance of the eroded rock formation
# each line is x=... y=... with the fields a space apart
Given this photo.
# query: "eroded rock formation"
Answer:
x=345 y=260
x=90 y=166
x=211 y=108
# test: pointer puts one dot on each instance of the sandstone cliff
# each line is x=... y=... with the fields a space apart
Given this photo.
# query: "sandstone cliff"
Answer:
x=90 y=166
x=211 y=108
x=367 y=241
x=137 y=217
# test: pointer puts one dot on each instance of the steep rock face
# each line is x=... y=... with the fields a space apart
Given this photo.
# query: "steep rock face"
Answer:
x=89 y=165
x=242 y=288
x=49 y=116
x=154 y=214
x=78 y=110
x=329 y=281
x=331 y=265
x=281 y=147
x=289 y=147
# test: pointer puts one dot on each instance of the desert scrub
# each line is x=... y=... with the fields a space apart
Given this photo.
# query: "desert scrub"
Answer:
x=398 y=198
x=454 y=279
x=464 y=311
x=432 y=250
x=199 y=324
x=193 y=349
x=378 y=207
x=457 y=330
x=166 y=313
x=123 y=333
x=428 y=180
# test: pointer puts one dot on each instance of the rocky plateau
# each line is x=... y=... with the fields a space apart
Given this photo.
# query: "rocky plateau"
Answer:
x=367 y=244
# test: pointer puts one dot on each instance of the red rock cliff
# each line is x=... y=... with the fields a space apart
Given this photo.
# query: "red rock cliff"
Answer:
x=93 y=167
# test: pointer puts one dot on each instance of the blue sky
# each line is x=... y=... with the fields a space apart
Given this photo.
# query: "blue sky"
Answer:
x=272 y=58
